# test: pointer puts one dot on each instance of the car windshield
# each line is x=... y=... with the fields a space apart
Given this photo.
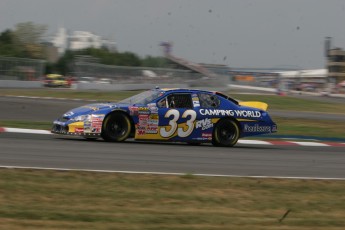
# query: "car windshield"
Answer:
x=143 y=98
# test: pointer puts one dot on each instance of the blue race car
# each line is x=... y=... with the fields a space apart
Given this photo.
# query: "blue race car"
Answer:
x=178 y=115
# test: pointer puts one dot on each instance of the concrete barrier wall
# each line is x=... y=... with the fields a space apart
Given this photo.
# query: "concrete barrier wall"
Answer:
x=20 y=84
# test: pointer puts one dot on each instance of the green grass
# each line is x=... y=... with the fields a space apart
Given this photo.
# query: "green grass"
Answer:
x=33 y=199
x=275 y=102
x=26 y=124
x=310 y=127
x=294 y=104
x=69 y=93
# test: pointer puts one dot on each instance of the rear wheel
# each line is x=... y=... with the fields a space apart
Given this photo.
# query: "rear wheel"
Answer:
x=116 y=127
x=226 y=133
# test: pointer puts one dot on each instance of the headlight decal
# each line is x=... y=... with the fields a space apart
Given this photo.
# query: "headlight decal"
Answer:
x=81 y=118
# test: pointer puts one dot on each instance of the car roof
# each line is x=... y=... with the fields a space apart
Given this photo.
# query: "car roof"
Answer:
x=182 y=90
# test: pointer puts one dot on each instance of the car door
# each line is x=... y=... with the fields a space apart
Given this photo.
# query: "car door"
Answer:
x=176 y=116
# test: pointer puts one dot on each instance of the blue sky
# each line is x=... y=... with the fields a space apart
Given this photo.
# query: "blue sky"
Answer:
x=238 y=33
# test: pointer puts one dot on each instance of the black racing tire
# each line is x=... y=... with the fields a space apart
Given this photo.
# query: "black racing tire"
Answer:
x=116 y=127
x=226 y=133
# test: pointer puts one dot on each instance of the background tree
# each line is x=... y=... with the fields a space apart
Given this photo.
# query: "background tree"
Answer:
x=28 y=36
x=158 y=62
x=8 y=45
x=25 y=41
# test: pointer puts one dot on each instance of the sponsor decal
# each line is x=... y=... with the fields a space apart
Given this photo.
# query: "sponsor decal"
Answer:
x=143 y=117
x=201 y=138
x=152 y=129
x=148 y=124
x=87 y=126
x=195 y=99
x=153 y=107
x=153 y=119
x=196 y=104
x=143 y=120
x=229 y=112
x=91 y=107
x=133 y=110
x=257 y=128
x=68 y=114
x=141 y=132
x=94 y=123
x=207 y=136
x=154 y=116
x=99 y=106
x=204 y=124
x=143 y=110
x=79 y=130
x=152 y=122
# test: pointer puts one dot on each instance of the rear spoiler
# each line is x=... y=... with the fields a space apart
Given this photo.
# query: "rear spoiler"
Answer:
x=254 y=104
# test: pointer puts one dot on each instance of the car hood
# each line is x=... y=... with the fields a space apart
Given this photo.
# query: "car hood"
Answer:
x=90 y=108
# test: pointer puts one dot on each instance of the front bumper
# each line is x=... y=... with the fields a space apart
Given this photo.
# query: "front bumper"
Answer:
x=73 y=129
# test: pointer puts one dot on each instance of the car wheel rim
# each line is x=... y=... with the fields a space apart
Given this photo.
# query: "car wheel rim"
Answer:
x=227 y=134
x=117 y=129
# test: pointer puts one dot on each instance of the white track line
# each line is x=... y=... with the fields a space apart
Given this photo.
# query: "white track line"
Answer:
x=302 y=143
x=171 y=174
x=254 y=142
x=29 y=131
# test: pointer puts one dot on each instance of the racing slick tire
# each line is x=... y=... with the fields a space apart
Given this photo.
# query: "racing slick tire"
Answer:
x=226 y=133
x=116 y=127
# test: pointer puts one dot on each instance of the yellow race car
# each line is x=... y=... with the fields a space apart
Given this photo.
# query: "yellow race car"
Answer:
x=55 y=80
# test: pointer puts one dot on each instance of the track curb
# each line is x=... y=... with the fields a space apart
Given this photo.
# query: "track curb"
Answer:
x=241 y=141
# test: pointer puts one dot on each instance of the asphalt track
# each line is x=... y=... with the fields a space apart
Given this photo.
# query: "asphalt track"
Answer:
x=51 y=151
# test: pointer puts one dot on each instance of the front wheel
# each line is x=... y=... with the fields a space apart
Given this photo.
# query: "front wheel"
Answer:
x=116 y=127
x=226 y=133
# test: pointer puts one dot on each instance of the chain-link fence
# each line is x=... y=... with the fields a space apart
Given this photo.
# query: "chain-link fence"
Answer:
x=24 y=69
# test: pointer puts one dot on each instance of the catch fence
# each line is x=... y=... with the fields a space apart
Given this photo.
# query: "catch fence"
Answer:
x=12 y=68
x=95 y=72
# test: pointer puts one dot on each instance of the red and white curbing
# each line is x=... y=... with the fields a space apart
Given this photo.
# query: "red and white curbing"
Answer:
x=292 y=143
x=247 y=142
